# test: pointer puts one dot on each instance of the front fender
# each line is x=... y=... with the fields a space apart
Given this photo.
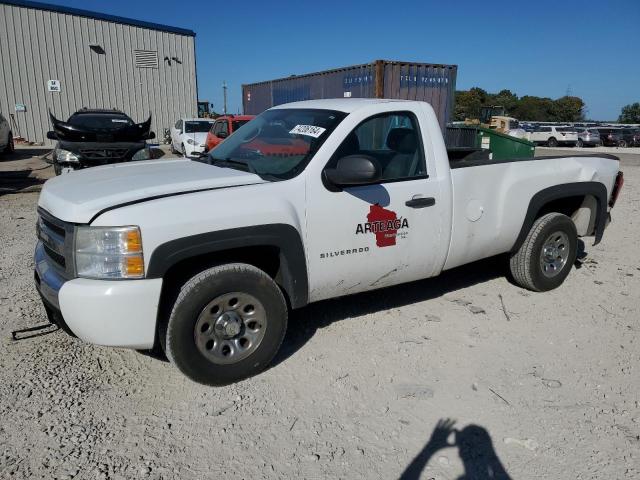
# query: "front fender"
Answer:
x=284 y=237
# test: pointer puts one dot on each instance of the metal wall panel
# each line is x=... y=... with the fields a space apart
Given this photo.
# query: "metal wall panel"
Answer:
x=434 y=84
x=40 y=45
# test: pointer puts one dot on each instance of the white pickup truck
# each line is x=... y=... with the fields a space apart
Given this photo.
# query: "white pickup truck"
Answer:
x=309 y=201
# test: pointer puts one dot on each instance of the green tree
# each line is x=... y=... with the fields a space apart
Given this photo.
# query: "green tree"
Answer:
x=468 y=103
x=568 y=109
x=534 y=109
x=507 y=99
x=630 y=113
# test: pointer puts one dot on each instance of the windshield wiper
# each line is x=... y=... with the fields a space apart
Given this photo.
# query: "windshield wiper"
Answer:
x=232 y=163
x=244 y=166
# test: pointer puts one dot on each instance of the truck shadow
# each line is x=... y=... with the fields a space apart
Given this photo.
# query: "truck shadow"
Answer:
x=24 y=154
x=304 y=322
x=19 y=181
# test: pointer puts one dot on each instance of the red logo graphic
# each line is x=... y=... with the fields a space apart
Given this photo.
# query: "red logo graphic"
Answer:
x=384 y=224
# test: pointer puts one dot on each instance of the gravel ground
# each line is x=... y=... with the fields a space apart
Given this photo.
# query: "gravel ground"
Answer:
x=540 y=385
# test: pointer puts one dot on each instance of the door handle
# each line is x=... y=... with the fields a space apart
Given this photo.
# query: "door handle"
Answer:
x=420 y=202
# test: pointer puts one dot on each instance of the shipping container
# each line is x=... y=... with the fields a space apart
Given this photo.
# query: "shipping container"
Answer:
x=432 y=83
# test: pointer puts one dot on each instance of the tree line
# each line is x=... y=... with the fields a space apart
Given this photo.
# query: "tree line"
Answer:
x=468 y=104
x=564 y=109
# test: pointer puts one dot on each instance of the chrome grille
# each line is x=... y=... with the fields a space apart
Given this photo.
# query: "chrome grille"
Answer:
x=56 y=237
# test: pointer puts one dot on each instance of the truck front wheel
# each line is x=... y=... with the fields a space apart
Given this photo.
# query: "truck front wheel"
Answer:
x=544 y=259
x=227 y=324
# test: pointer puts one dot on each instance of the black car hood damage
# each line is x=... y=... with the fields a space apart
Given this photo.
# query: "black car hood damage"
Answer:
x=138 y=132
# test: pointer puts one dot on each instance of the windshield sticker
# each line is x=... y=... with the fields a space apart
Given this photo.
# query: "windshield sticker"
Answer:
x=309 y=130
x=118 y=120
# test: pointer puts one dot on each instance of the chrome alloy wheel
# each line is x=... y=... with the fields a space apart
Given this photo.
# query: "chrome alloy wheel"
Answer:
x=554 y=254
x=230 y=328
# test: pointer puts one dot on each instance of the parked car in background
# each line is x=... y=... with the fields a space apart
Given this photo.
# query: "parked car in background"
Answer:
x=92 y=137
x=223 y=127
x=588 y=137
x=630 y=137
x=188 y=136
x=610 y=137
x=554 y=136
x=6 y=136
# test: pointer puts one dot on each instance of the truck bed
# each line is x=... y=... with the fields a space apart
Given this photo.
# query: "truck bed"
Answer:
x=491 y=203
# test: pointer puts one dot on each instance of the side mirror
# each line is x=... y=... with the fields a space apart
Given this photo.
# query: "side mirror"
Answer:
x=51 y=135
x=151 y=136
x=222 y=135
x=354 y=170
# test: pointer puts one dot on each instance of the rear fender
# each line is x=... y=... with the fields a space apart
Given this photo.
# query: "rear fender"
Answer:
x=595 y=189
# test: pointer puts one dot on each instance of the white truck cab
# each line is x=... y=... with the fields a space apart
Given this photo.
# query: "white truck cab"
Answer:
x=308 y=201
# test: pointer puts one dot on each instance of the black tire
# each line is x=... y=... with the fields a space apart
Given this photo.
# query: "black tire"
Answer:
x=57 y=168
x=580 y=143
x=526 y=263
x=552 y=142
x=622 y=144
x=195 y=295
x=10 y=147
x=184 y=150
x=173 y=150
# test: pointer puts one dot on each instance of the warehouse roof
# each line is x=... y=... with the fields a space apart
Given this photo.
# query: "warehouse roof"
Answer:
x=98 y=16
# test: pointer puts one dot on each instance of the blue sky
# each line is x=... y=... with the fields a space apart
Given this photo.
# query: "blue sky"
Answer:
x=538 y=47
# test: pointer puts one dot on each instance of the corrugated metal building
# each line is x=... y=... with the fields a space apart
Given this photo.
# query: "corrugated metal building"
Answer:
x=432 y=83
x=62 y=59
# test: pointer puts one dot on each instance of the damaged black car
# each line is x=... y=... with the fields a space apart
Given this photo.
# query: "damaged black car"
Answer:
x=98 y=137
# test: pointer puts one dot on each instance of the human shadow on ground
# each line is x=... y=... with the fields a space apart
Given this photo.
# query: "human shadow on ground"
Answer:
x=304 y=322
x=475 y=448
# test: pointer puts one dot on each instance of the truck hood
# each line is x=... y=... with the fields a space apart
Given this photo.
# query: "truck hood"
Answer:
x=77 y=197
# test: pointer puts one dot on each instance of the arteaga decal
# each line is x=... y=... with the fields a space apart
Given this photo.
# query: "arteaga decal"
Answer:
x=385 y=225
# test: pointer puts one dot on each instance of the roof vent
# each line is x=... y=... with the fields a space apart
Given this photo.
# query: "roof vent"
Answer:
x=146 y=58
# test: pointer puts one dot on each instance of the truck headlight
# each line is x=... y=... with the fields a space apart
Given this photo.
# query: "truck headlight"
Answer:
x=191 y=141
x=142 y=154
x=65 y=156
x=109 y=252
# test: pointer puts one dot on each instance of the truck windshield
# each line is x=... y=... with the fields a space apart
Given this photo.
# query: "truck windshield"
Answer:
x=278 y=143
x=197 y=127
x=99 y=121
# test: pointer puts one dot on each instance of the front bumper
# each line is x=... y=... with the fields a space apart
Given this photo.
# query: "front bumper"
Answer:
x=117 y=313
x=194 y=150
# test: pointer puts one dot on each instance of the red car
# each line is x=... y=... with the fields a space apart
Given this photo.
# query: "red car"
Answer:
x=223 y=127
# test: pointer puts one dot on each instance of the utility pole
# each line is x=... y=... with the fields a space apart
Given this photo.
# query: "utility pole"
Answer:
x=224 y=91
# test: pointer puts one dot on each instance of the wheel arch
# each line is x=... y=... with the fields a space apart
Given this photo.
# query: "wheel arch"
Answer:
x=574 y=200
x=275 y=248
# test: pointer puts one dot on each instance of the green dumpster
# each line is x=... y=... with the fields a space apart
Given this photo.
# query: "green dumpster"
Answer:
x=504 y=146
x=465 y=140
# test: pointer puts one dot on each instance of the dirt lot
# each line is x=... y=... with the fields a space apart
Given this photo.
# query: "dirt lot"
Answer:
x=542 y=385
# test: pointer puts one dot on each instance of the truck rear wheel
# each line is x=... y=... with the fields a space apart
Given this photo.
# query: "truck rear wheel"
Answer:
x=227 y=324
x=552 y=142
x=544 y=259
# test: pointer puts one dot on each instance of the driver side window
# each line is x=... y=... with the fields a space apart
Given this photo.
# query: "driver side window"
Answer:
x=393 y=139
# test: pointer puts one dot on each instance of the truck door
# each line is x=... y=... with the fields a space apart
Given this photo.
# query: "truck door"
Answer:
x=366 y=237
